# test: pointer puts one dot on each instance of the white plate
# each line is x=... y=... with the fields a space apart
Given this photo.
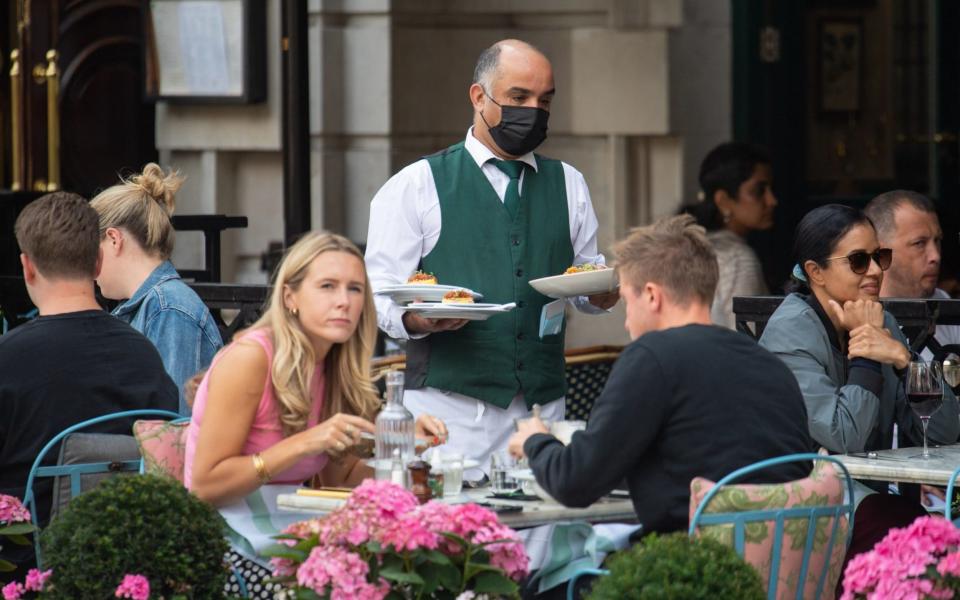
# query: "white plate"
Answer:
x=409 y=292
x=577 y=284
x=468 y=463
x=470 y=312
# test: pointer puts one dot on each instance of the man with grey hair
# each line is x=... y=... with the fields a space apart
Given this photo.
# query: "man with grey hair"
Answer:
x=907 y=222
x=489 y=215
x=686 y=398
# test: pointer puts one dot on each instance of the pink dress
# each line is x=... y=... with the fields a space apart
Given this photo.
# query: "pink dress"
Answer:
x=266 y=430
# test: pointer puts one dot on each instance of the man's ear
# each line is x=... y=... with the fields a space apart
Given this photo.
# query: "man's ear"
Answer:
x=477 y=97
x=29 y=269
x=653 y=296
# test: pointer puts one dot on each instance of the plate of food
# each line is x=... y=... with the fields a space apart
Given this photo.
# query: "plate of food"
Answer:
x=457 y=307
x=422 y=287
x=578 y=280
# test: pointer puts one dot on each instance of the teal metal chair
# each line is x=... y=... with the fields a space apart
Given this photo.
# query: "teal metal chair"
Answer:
x=779 y=516
x=948 y=513
x=75 y=472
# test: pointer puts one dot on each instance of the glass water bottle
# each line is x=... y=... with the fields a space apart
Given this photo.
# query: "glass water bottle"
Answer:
x=395 y=428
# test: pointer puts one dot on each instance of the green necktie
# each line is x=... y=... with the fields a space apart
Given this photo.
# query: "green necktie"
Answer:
x=513 y=169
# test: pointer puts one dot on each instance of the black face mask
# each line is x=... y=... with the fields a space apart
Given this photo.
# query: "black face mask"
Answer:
x=521 y=128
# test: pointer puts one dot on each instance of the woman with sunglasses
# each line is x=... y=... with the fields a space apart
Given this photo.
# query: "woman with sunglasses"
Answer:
x=846 y=352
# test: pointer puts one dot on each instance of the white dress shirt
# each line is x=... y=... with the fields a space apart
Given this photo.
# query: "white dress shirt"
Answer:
x=405 y=226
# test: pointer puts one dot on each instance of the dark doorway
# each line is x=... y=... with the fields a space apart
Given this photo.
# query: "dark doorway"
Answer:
x=853 y=98
x=105 y=124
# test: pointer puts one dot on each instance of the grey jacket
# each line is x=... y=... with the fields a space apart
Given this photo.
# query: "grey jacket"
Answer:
x=846 y=417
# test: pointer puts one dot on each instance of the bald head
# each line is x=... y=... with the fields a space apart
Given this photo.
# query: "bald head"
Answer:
x=512 y=52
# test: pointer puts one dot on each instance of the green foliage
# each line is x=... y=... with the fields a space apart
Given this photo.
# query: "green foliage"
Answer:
x=140 y=524
x=674 y=567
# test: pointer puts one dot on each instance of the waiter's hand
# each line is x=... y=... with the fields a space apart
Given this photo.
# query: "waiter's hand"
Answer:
x=525 y=428
x=605 y=301
x=417 y=324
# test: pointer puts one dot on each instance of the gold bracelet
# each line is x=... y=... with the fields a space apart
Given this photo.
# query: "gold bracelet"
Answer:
x=263 y=475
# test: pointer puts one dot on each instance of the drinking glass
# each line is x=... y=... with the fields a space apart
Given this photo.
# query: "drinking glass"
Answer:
x=924 y=389
x=501 y=467
x=452 y=474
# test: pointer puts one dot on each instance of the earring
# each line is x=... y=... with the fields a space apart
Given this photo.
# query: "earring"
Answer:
x=295 y=312
x=726 y=216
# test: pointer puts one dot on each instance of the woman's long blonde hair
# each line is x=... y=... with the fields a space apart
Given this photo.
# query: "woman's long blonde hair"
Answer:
x=349 y=388
x=141 y=206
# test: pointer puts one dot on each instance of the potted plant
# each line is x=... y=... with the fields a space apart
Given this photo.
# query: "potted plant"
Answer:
x=143 y=536
x=921 y=560
x=676 y=566
x=383 y=544
x=15 y=525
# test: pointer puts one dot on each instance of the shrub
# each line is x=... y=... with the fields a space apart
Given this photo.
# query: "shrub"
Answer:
x=675 y=567
x=141 y=524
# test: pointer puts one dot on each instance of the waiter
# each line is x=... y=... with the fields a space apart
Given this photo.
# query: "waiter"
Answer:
x=490 y=215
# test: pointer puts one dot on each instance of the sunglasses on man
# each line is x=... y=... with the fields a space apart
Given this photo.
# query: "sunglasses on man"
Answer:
x=860 y=260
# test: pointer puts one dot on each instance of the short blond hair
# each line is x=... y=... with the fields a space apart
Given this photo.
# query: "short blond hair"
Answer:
x=673 y=252
x=141 y=206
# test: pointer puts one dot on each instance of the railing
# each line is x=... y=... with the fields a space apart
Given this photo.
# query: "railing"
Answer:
x=233 y=306
x=918 y=318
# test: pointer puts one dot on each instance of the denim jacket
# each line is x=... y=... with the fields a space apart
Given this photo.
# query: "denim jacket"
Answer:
x=176 y=320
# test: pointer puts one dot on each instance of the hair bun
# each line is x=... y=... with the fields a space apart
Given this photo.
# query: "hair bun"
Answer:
x=159 y=185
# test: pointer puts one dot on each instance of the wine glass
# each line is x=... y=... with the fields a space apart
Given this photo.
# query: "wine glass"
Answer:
x=925 y=395
x=951 y=370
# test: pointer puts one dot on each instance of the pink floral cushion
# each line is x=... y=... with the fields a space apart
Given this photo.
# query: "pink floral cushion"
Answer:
x=163 y=446
x=822 y=487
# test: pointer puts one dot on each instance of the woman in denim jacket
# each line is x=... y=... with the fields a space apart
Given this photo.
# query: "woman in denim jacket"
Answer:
x=136 y=237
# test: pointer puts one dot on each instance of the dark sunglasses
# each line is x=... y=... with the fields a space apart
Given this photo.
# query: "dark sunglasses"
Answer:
x=860 y=260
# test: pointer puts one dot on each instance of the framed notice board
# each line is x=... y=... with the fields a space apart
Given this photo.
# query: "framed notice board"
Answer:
x=205 y=51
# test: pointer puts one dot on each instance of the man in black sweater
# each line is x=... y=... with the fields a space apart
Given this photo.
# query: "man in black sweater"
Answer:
x=73 y=362
x=685 y=398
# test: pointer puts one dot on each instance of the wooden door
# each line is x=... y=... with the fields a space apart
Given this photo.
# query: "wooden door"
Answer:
x=105 y=124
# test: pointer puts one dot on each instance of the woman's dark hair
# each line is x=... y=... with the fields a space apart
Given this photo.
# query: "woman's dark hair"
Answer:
x=725 y=168
x=817 y=235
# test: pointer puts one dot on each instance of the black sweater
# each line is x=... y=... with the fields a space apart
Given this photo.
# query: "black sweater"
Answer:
x=679 y=403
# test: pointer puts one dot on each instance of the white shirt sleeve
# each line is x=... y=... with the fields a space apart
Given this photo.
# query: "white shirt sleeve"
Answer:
x=404 y=227
x=583 y=230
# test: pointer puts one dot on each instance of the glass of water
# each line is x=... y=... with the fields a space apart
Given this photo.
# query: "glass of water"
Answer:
x=502 y=466
x=452 y=474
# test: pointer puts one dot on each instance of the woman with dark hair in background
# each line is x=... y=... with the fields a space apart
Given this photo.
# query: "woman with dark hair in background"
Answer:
x=845 y=352
x=735 y=198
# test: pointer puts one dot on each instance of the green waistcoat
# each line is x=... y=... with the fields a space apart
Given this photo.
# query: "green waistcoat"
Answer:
x=481 y=248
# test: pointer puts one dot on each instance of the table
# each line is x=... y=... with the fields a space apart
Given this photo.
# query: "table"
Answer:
x=534 y=513
x=896 y=465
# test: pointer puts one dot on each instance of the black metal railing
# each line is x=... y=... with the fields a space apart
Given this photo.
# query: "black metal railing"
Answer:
x=917 y=317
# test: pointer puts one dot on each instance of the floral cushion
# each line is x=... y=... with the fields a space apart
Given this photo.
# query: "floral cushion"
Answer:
x=163 y=445
x=822 y=487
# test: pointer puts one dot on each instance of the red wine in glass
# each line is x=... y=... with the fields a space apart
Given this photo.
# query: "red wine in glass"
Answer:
x=925 y=403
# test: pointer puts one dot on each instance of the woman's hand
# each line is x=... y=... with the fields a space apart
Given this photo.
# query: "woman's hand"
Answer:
x=431 y=428
x=857 y=313
x=336 y=434
x=877 y=344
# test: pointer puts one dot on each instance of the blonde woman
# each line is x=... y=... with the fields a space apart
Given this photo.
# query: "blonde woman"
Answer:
x=136 y=237
x=293 y=392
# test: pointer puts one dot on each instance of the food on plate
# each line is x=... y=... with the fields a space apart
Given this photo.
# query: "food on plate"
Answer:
x=457 y=297
x=422 y=278
x=584 y=268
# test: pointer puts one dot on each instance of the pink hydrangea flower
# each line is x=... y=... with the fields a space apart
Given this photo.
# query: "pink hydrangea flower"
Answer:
x=136 y=587
x=899 y=565
x=36 y=579
x=12 y=510
x=13 y=591
x=341 y=573
x=950 y=565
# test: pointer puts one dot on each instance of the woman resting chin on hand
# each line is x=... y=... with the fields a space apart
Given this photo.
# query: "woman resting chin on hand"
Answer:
x=286 y=400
